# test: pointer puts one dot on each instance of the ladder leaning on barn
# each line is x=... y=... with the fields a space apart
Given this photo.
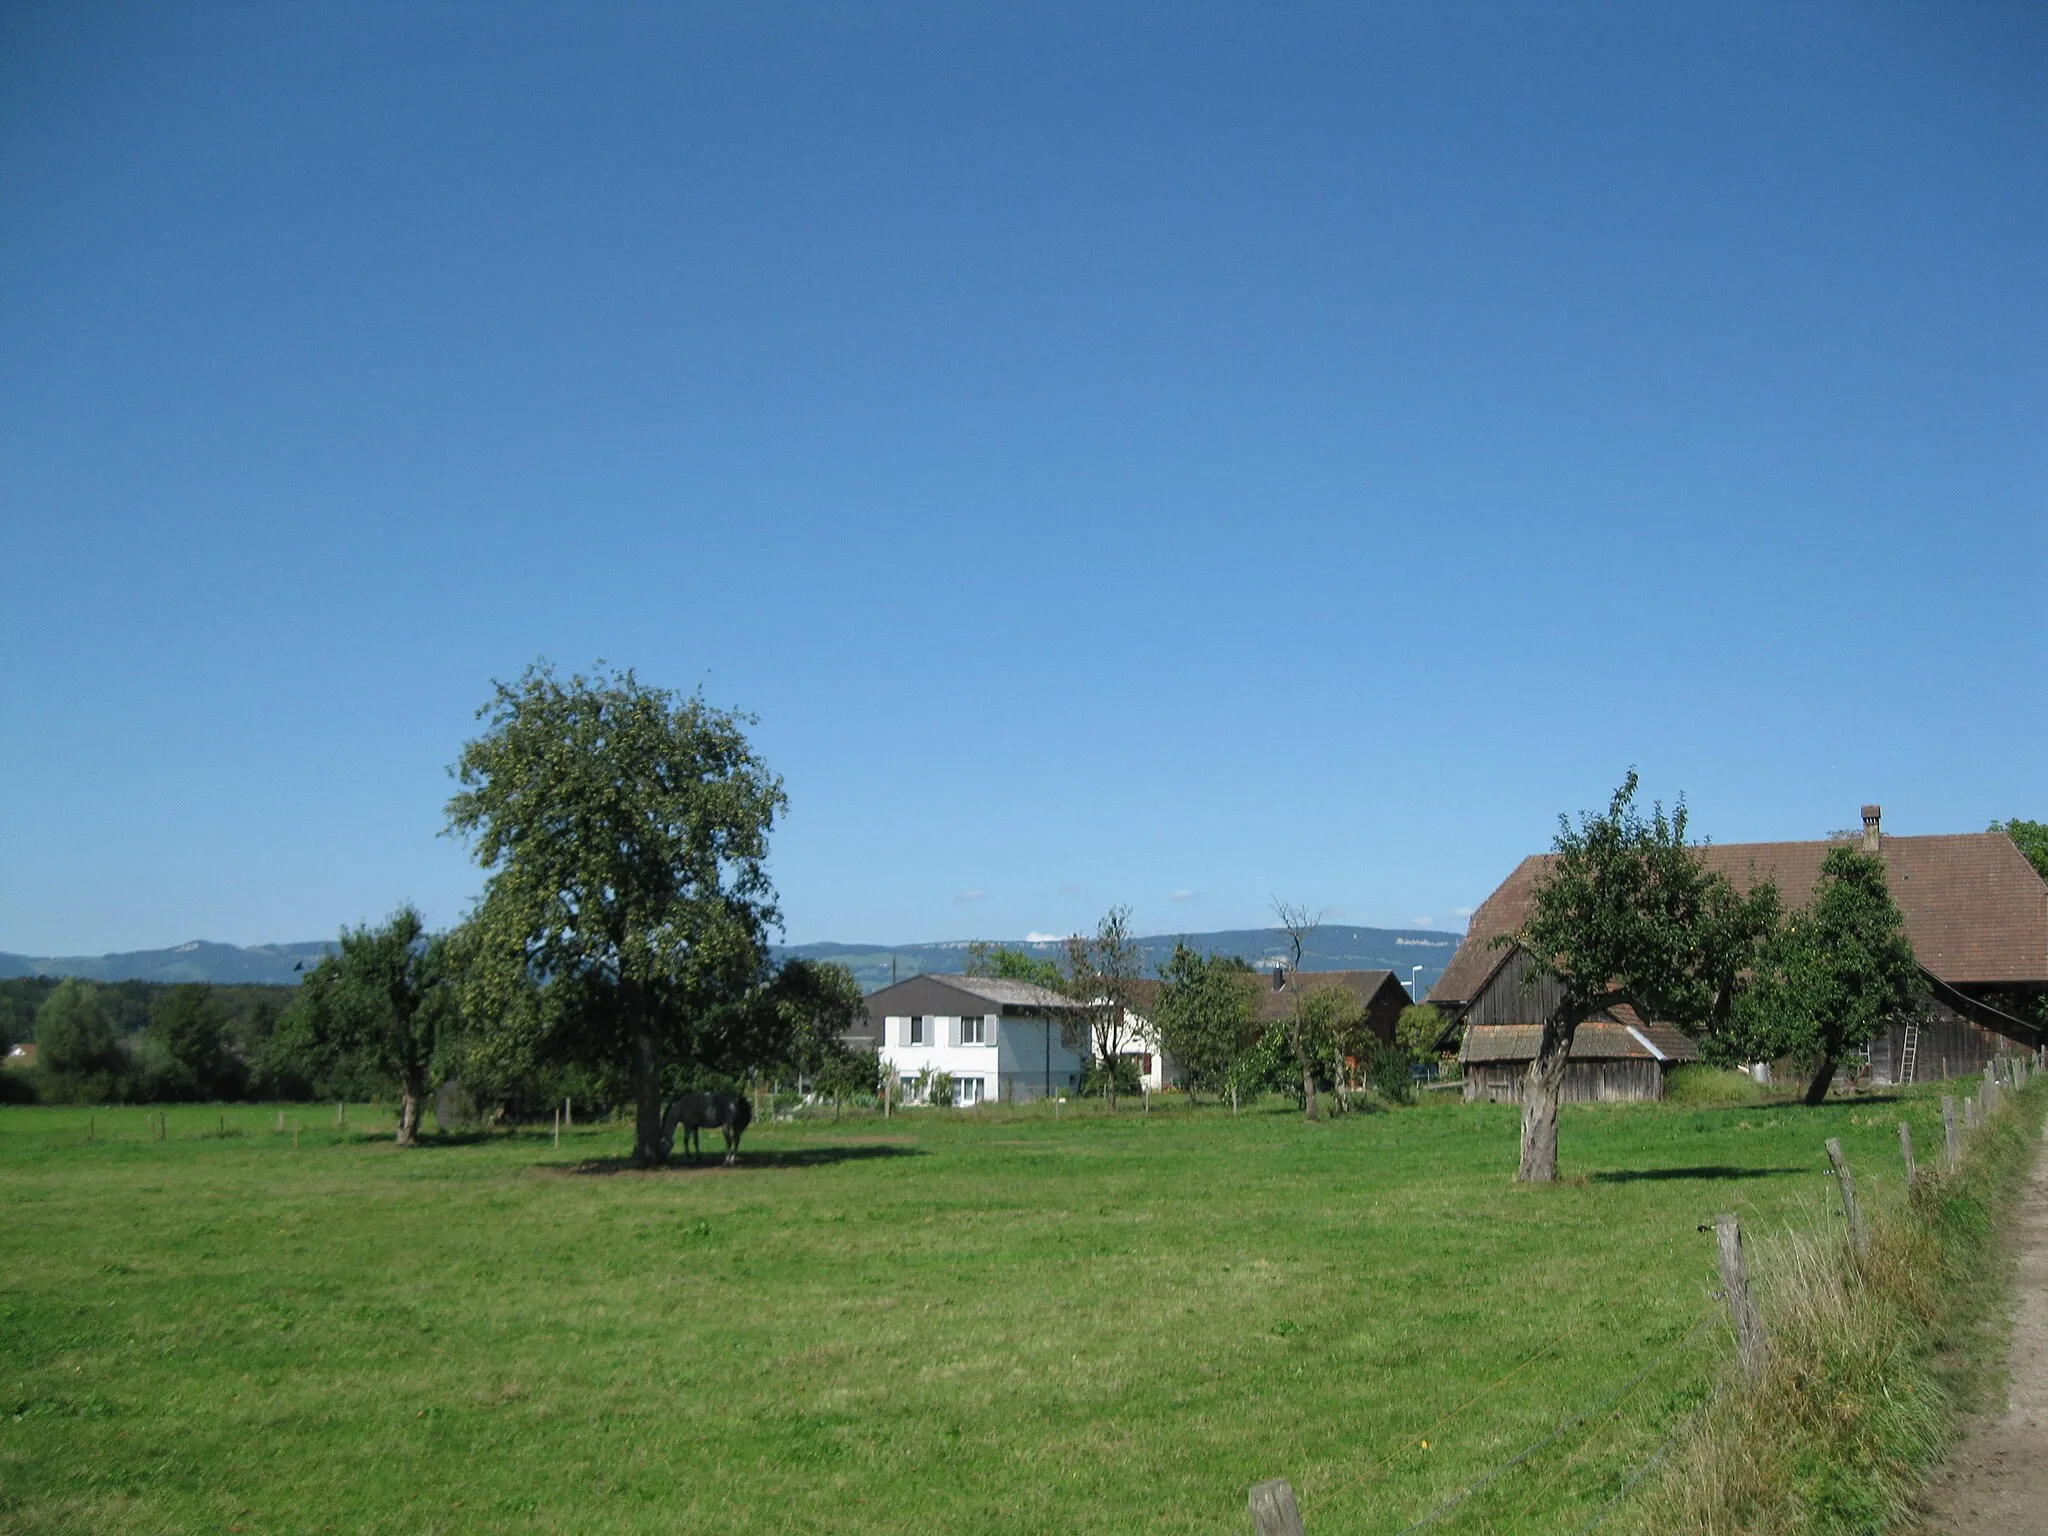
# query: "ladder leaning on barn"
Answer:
x=1909 y=1058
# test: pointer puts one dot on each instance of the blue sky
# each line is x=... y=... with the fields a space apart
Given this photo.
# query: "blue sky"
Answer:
x=1163 y=455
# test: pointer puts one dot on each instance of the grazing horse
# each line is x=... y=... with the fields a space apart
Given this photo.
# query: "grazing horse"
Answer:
x=729 y=1112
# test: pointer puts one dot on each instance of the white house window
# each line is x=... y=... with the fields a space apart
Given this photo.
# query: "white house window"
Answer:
x=967 y=1090
x=974 y=1030
x=914 y=1031
x=909 y=1086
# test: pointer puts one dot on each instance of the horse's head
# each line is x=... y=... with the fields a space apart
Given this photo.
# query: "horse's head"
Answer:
x=668 y=1128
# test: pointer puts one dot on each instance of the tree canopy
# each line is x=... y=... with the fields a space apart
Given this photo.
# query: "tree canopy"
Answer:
x=1836 y=973
x=1628 y=913
x=382 y=1003
x=1206 y=1016
x=624 y=922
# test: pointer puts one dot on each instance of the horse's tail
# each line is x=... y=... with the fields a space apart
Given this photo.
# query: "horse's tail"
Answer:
x=742 y=1112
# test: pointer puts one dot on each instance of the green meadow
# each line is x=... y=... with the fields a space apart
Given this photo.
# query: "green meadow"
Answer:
x=991 y=1320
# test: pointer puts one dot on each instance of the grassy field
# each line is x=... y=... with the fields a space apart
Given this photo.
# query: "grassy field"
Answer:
x=990 y=1321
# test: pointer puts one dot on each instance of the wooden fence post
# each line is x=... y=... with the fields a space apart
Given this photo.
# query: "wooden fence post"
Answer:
x=1948 y=1131
x=558 y=1125
x=1273 y=1511
x=1749 y=1323
x=1859 y=1238
x=1906 y=1151
x=1969 y=1112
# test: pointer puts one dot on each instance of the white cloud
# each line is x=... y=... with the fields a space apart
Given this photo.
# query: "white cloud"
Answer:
x=1040 y=938
x=966 y=896
x=1177 y=896
x=1420 y=922
x=1463 y=911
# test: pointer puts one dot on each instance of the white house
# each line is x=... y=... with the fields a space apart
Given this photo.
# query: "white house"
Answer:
x=997 y=1040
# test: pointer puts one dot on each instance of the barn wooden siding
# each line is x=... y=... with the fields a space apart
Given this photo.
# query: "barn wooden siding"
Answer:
x=1520 y=993
x=1950 y=1046
x=1585 y=1082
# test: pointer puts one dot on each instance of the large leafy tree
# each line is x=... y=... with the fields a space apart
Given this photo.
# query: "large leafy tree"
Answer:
x=801 y=1019
x=190 y=1028
x=382 y=1004
x=80 y=1050
x=1837 y=973
x=1628 y=913
x=624 y=922
x=1207 y=1015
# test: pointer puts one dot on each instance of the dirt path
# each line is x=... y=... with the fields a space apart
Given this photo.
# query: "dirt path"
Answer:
x=1996 y=1483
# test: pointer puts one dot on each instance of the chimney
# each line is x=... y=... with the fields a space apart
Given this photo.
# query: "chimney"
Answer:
x=1871 y=842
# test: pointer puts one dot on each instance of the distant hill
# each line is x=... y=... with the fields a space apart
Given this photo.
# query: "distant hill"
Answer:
x=197 y=961
x=1335 y=947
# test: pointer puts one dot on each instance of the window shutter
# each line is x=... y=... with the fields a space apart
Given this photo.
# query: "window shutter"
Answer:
x=952 y=1031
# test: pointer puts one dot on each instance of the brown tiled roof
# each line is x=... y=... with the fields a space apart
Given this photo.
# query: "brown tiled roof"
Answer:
x=1592 y=1042
x=1278 y=1004
x=1975 y=910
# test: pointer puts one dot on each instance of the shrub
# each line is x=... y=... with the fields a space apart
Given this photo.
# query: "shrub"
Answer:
x=1709 y=1087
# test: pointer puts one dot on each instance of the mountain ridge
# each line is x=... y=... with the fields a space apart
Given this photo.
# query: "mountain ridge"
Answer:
x=1332 y=947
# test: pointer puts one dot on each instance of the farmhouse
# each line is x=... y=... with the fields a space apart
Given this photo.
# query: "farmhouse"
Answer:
x=1974 y=908
x=995 y=1039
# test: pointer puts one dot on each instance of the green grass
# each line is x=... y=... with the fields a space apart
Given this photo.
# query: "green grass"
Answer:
x=993 y=1321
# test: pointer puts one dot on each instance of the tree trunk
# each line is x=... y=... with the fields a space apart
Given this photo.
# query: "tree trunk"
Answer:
x=411 y=1096
x=647 y=1106
x=1542 y=1090
x=1308 y=1092
x=1823 y=1079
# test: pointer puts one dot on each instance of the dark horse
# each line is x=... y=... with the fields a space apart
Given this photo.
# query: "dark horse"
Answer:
x=729 y=1112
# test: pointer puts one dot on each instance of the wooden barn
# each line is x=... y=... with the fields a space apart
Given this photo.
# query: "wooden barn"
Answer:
x=1974 y=908
x=1614 y=1056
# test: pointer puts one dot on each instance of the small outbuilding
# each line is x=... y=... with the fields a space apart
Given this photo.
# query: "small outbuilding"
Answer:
x=1615 y=1056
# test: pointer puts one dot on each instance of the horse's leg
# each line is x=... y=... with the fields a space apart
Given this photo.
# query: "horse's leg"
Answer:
x=732 y=1143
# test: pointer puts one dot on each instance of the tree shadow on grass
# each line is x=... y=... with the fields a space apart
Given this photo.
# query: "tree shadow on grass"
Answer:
x=1794 y=1102
x=777 y=1158
x=1706 y=1172
x=462 y=1138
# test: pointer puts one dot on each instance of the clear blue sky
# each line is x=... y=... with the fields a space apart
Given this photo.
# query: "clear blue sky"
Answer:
x=1152 y=454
